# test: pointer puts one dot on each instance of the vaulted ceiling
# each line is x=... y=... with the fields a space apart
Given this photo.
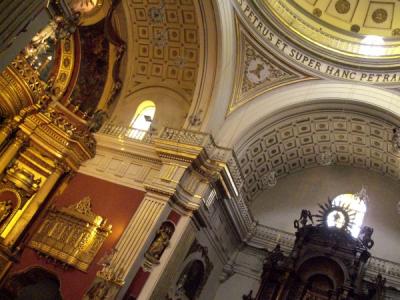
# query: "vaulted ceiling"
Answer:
x=299 y=141
x=165 y=45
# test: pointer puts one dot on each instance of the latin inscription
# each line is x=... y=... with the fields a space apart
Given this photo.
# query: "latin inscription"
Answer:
x=310 y=62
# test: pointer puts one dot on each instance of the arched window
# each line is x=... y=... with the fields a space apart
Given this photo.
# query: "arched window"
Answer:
x=357 y=206
x=142 y=119
x=144 y=115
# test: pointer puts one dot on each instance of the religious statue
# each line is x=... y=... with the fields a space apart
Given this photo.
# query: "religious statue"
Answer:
x=5 y=210
x=366 y=236
x=303 y=220
x=161 y=241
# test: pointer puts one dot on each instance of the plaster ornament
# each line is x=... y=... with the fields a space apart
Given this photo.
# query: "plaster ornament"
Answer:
x=342 y=6
x=379 y=15
x=257 y=71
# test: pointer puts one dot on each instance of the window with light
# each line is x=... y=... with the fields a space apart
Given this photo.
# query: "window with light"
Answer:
x=357 y=206
x=142 y=119
x=144 y=115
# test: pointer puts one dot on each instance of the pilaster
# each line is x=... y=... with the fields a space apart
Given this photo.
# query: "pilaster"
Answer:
x=179 y=170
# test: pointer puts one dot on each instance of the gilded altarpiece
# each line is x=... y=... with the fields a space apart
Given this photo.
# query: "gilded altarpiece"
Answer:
x=72 y=235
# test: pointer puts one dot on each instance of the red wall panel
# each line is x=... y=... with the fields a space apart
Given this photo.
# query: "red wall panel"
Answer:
x=115 y=202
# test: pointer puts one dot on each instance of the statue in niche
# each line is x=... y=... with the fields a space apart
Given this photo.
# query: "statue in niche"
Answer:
x=303 y=220
x=5 y=210
x=161 y=241
x=366 y=236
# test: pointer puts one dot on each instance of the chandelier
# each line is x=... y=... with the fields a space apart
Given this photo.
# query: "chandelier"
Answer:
x=269 y=180
x=326 y=158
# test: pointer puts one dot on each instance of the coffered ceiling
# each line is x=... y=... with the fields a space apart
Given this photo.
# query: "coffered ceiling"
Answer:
x=165 y=45
x=297 y=142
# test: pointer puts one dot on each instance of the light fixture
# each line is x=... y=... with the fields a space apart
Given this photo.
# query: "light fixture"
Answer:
x=326 y=158
x=372 y=45
x=269 y=179
x=396 y=139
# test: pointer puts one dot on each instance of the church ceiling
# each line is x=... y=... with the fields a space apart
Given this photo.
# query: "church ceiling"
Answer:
x=258 y=70
x=165 y=45
x=360 y=16
x=299 y=142
x=305 y=31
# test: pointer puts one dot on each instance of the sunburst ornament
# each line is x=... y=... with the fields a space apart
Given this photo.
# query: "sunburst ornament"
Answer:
x=336 y=216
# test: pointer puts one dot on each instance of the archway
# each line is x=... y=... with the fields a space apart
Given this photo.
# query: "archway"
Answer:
x=34 y=284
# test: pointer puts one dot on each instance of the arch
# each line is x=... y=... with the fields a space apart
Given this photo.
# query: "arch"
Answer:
x=144 y=115
x=190 y=280
x=171 y=107
x=322 y=266
x=249 y=118
x=35 y=283
x=216 y=77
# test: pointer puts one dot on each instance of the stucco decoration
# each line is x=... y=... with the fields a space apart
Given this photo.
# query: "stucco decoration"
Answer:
x=258 y=70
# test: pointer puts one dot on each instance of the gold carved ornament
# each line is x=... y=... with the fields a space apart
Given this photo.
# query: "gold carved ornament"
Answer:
x=72 y=235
